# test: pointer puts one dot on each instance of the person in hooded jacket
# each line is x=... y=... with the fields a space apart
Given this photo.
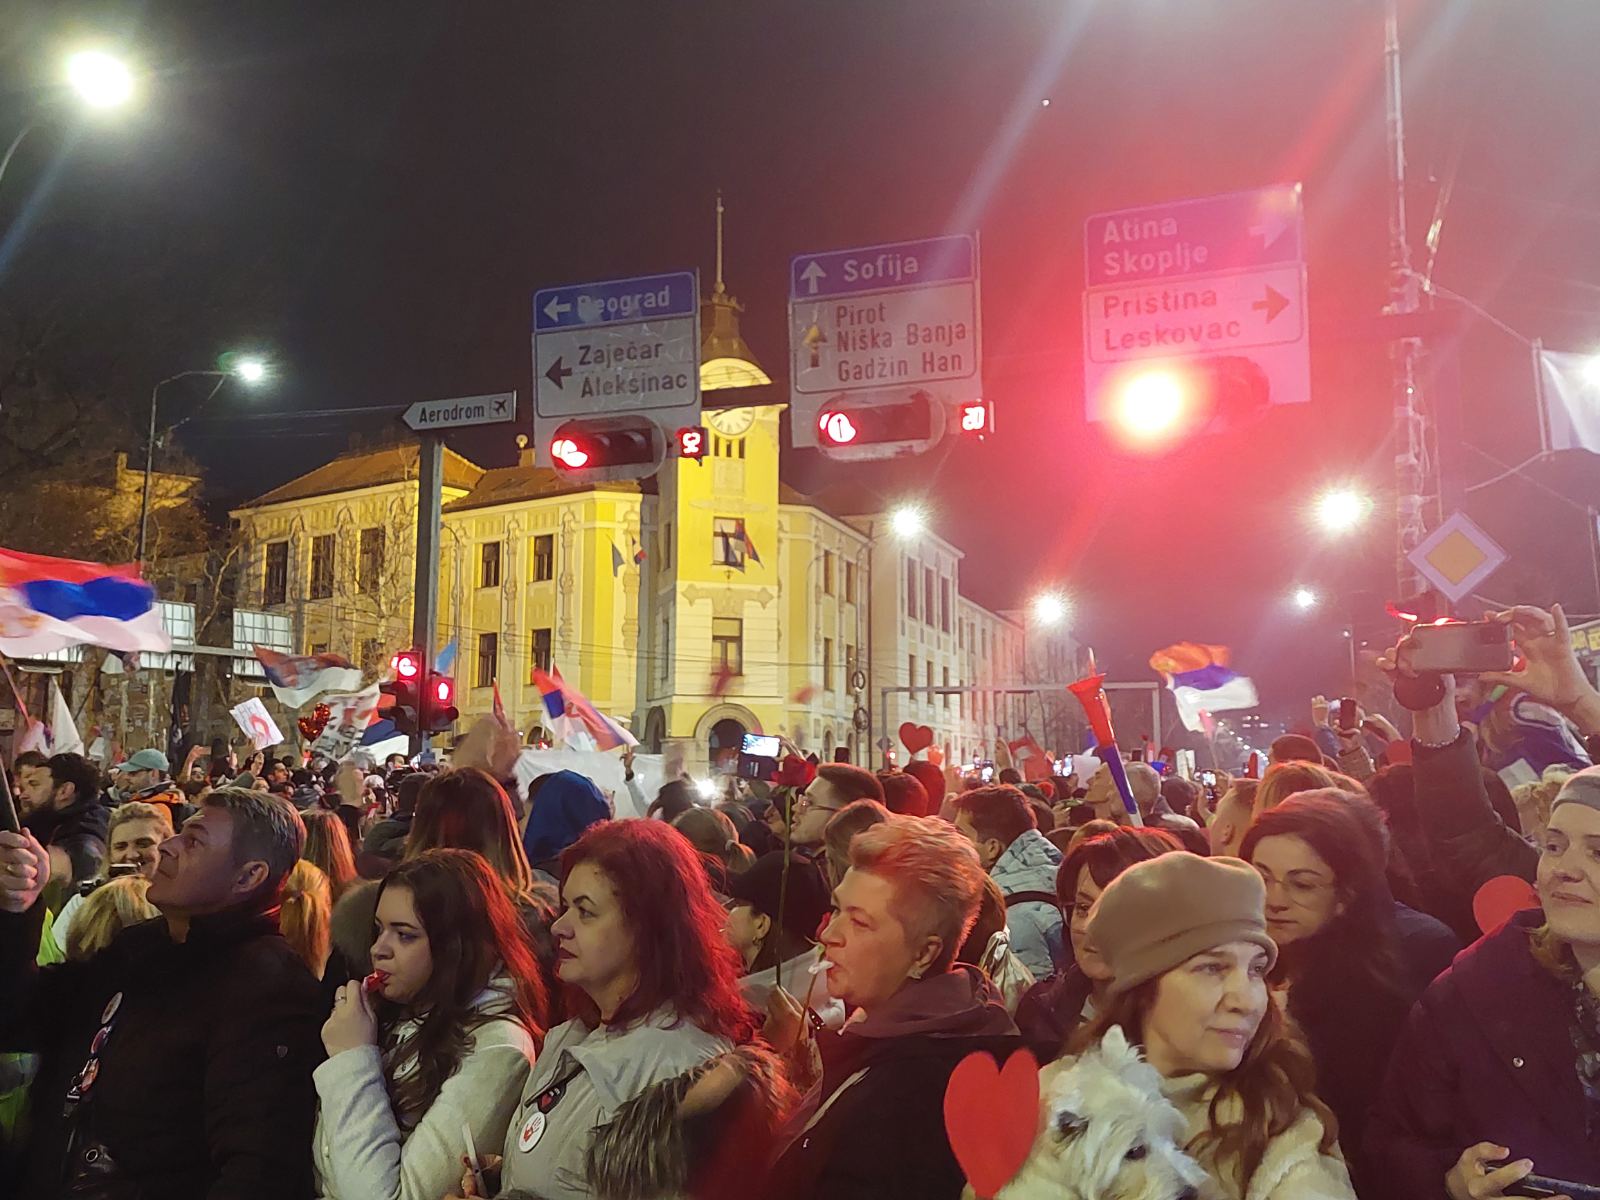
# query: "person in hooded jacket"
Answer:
x=873 y=1126
x=443 y=1043
x=1497 y=1073
x=565 y=804
x=1000 y=825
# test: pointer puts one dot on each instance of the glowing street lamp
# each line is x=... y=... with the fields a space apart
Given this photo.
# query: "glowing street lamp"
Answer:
x=250 y=370
x=1342 y=509
x=101 y=80
x=1305 y=599
x=1050 y=608
x=908 y=521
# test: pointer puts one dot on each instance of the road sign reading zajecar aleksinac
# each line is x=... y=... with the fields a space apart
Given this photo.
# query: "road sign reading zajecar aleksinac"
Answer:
x=427 y=415
x=882 y=320
x=1197 y=279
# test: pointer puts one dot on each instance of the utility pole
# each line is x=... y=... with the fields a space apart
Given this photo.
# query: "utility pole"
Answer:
x=425 y=602
x=1411 y=466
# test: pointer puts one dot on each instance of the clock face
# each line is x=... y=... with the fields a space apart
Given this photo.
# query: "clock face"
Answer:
x=731 y=422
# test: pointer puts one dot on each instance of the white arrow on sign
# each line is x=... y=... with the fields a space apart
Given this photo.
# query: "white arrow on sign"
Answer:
x=555 y=308
x=810 y=275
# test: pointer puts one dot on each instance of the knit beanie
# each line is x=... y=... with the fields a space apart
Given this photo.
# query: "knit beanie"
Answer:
x=1161 y=912
x=1583 y=787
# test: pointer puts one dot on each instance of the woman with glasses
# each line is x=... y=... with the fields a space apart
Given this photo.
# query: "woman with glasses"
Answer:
x=1321 y=855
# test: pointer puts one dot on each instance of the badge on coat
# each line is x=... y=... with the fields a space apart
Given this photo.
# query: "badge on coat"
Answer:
x=532 y=1131
x=111 y=1008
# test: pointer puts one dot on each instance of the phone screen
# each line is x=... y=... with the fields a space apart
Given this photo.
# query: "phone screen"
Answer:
x=1347 y=714
x=762 y=745
x=8 y=807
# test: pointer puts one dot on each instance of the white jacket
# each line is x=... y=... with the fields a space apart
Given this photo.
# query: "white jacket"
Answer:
x=360 y=1150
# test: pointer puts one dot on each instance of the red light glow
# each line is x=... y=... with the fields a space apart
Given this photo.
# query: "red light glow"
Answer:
x=974 y=418
x=838 y=428
x=568 y=453
x=406 y=665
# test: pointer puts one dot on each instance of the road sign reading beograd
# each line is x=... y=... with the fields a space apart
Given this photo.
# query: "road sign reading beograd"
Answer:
x=1195 y=279
x=883 y=322
x=616 y=347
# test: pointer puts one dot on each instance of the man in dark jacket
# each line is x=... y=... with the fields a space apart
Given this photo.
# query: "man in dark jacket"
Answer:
x=177 y=1062
x=71 y=824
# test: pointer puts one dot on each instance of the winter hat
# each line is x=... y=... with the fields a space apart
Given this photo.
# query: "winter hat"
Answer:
x=1583 y=788
x=566 y=804
x=1163 y=911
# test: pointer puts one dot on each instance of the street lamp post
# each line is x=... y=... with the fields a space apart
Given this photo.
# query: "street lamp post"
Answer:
x=250 y=370
x=100 y=80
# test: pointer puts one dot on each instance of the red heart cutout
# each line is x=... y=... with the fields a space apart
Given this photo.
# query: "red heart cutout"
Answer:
x=915 y=737
x=991 y=1117
x=1500 y=899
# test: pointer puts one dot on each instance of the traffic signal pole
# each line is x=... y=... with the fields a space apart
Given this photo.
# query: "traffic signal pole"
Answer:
x=425 y=595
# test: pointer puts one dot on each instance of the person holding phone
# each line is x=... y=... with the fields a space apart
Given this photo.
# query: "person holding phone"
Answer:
x=1497 y=1073
x=442 y=1044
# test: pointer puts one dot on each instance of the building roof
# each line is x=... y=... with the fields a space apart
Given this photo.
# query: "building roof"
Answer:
x=510 y=485
x=368 y=468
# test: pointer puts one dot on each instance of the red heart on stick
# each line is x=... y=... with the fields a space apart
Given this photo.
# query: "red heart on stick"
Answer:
x=1501 y=898
x=991 y=1116
x=915 y=737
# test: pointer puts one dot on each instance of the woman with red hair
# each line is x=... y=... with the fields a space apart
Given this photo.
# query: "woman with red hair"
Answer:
x=655 y=986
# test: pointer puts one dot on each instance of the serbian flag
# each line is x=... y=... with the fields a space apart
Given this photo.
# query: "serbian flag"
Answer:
x=571 y=713
x=48 y=604
x=750 y=549
x=1201 y=681
x=1029 y=758
x=296 y=679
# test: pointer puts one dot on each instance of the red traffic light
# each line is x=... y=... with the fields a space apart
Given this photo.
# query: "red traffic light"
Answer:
x=592 y=446
x=908 y=421
x=692 y=442
x=444 y=689
x=1153 y=406
x=837 y=428
x=975 y=417
x=406 y=665
x=569 y=453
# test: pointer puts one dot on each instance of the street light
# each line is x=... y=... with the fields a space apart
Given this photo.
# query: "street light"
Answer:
x=101 y=80
x=98 y=79
x=1305 y=599
x=248 y=369
x=1049 y=608
x=1340 y=510
x=908 y=521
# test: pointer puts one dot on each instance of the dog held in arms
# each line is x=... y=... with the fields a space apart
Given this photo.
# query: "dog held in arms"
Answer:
x=1108 y=1134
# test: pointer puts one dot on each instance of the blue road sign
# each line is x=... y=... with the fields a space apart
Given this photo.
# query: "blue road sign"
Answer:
x=1233 y=232
x=889 y=267
x=616 y=301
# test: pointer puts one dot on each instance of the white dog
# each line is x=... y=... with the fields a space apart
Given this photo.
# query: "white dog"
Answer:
x=1109 y=1134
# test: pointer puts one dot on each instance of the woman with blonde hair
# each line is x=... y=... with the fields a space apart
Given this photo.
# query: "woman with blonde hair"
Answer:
x=1186 y=940
x=306 y=914
x=1286 y=779
x=106 y=912
x=328 y=847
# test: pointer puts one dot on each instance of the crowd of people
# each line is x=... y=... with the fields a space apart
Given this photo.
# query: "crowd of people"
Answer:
x=264 y=980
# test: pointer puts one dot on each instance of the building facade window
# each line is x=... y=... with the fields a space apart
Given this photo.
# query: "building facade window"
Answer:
x=489 y=565
x=849 y=583
x=827 y=572
x=663 y=653
x=727 y=542
x=275 y=584
x=947 y=684
x=488 y=659
x=827 y=664
x=911 y=676
x=944 y=605
x=322 y=550
x=369 y=560
x=541 y=649
x=929 y=613
x=666 y=545
x=913 y=573
x=727 y=643
x=930 y=682
x=544 y=557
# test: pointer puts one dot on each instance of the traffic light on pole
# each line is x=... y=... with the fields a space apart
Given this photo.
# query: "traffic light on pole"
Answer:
x=1153 y=406
x=406 y=691
x=860 y=428
x=439 y=703
x=692 y=442
x=629 y=446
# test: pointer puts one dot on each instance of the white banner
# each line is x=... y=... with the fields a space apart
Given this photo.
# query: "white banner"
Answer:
x=1569 y=385
x=257 y=723
x=352 y=713
x=604 y=767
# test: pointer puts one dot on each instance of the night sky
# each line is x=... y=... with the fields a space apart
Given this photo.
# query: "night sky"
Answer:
x=372 y=192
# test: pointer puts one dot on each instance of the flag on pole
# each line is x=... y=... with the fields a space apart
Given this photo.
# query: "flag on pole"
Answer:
x=1201 y=681
x=295 y=679
x=64 y=736
x=48 y=604
x=571 y=713
x=444 y=662
x=750 y=549
x=616 y=561
x=1569 y=394
x=638 y=553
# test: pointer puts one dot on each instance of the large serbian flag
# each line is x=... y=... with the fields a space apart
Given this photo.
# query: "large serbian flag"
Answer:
x=296 y=679
x=572 y=716
x=48 y=604
x=1202 y=682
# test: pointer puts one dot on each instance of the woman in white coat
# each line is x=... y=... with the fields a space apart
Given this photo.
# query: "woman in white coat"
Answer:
x=438 y=1041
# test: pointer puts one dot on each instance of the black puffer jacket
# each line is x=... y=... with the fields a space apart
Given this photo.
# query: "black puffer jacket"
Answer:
x=202 y=1087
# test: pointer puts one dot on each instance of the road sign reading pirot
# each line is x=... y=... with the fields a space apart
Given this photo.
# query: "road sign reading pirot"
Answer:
x=1197 y=279
x=427 y=415
x=1457 y=557
x=883 y=321
x=620 y=345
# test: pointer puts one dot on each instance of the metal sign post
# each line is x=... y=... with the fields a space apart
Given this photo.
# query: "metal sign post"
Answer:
x=425 y=603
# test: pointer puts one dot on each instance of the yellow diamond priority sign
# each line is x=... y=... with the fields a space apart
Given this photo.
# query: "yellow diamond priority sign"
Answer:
x=1457 y=556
